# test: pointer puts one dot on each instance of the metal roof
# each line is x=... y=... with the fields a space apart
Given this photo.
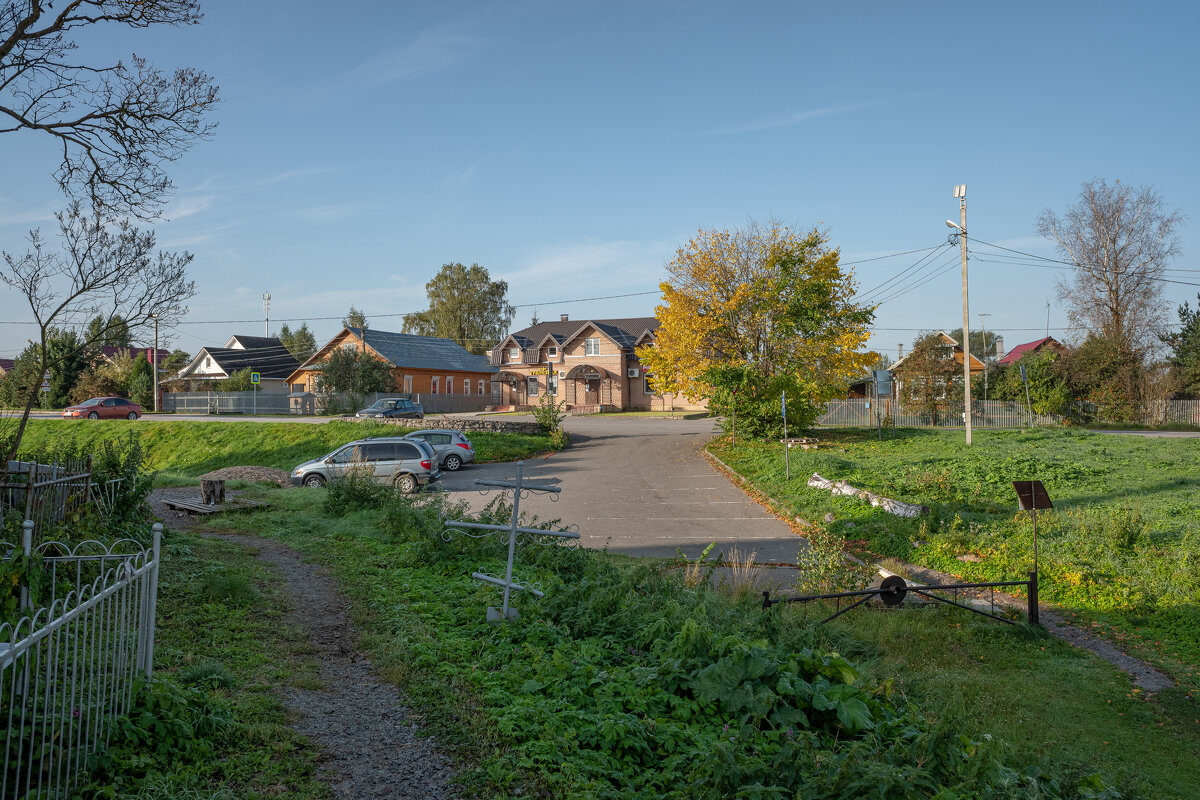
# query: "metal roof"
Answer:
x=423 y=352
x=625 y=332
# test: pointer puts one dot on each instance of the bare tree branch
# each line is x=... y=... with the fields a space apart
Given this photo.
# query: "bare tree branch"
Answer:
x=106 y=269
x=118 y=125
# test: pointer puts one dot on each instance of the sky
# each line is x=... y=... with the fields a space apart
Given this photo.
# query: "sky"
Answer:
x=570 y=148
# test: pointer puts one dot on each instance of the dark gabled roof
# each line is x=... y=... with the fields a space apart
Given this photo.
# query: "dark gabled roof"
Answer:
x=132 y=352
x=422 y=352
x=624 y=332
x=269 y=361
x=255 y=342
x=6 y=364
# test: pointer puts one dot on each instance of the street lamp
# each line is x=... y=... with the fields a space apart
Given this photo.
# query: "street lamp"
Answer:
x=960 y=194
x=155 y=354
x=986 y=356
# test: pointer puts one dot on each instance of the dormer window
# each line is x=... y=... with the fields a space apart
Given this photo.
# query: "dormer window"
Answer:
x=591 y=347
x=514 y=354
x=551 y=351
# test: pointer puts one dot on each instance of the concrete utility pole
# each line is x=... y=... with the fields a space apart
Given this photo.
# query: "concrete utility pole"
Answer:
x=960 y=192
x=986 y=357
x=155 y=318
x=266 y=313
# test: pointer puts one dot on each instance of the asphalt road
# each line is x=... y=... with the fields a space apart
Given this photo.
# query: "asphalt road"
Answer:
x=642 y=486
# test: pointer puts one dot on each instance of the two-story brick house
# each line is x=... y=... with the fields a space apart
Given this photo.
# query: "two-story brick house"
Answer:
x=589 y=365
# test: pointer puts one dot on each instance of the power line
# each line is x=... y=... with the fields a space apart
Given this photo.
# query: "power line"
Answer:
x=867 y=293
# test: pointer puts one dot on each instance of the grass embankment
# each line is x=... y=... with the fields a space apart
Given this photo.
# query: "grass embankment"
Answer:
x=622 y=682
x=1120 y=552
x=181 y=450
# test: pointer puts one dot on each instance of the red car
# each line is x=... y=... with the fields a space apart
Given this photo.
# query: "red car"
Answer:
x=104 y=408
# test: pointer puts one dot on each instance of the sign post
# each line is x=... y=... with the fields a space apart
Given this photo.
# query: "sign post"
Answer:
x=787 y=464
x=254 y=379
x=1032 y=495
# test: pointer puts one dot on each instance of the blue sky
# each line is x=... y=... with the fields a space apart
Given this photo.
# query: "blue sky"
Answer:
x=570 y=148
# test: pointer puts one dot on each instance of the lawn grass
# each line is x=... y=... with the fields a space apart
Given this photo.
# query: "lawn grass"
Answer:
x=1056 y=707
x=188 y=449
x=218 y=605
x=1120 y=552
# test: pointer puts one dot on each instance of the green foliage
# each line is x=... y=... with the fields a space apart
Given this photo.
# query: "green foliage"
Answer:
x=207 y=674
x=239 y=381
x=550 y=413
x=755 y=400
x=354 y=372
x=1185 y=349
x=108 y=332
x=1048 y=391
x=823 y=567
x=141 y=382
x=167 y=726
x=300 y=342
x=354 y=319
x=929 y=376
x=355 y=489
x=1103 y=372
x=465 y=306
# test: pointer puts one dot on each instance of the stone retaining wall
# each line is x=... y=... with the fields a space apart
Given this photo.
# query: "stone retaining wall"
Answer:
x=469 y=424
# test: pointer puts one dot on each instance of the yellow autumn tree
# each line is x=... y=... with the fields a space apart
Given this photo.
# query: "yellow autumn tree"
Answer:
x=748 y=314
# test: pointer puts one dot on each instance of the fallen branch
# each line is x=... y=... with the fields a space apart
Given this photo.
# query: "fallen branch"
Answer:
x=897 y=507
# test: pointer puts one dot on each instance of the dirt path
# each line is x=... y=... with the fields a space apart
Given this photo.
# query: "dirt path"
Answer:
x=370 y=740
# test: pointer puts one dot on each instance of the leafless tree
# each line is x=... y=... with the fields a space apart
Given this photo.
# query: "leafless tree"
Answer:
x=104 y=269
x=1121 y=240
x=117 y=126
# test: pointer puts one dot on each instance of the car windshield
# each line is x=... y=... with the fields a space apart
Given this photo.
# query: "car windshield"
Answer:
x=95 y=401
x=384 y=405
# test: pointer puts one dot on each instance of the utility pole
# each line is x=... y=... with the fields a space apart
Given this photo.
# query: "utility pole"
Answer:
x=960 y=192
x=986 y=357
x=155 y=318
x=266 y=313
x=1047 y=319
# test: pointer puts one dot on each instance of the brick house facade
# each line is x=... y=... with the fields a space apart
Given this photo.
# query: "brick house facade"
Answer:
x=589 y=365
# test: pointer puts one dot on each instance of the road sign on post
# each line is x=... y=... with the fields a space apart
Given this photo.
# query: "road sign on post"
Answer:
x=255 y=378
x=254 y=381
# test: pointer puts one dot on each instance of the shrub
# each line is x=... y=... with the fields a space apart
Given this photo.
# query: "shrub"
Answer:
x=823 y=566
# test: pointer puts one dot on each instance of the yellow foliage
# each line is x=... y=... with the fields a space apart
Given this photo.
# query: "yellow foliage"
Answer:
x=768 y=297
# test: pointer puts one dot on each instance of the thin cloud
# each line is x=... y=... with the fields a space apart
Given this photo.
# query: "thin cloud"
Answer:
x=795 y=119
x=461 y=177
x=431 y=51
x=186 y=207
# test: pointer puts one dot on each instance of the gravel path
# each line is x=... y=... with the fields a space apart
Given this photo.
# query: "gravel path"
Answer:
x=370 y=740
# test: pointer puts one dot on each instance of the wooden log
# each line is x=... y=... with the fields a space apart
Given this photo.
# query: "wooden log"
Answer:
x=212 y=492
x=897 y=507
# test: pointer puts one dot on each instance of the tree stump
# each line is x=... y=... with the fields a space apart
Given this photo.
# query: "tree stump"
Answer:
x=212 y=492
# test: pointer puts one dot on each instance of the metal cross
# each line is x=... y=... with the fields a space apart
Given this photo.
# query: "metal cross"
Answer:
x=518 y=487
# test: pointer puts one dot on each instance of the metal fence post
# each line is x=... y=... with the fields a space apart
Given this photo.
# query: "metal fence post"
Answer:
x=27 y=552
x=151 y=611
x=1033 y=598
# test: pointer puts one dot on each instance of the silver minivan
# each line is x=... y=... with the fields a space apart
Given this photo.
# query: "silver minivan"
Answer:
x=407 y=464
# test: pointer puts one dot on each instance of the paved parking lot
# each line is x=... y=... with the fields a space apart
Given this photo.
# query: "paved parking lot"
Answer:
x=642 y=486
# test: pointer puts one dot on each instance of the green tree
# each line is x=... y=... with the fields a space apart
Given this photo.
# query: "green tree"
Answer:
x=929 y=376
x=1048 y=392
x=105 y=378
x=177 y=360
x=760 y=309
x=978 y=342
x=354 y=319
x=238 y=381
x=1104 y=372
x=300 y=342
x=355 y=373
x=141 y=382
x=465 y=306
x=112 y=332
x=1185 y=349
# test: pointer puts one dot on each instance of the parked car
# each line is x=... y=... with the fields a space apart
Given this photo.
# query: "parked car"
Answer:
x=407 y=464
x=392 y=407
x=104 y=408
x=452 y=447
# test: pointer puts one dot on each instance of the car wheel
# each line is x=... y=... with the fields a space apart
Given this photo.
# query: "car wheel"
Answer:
x=133 y=415
x=407 y=483
x=93 y=415
x=453 y=463
x=314 y=481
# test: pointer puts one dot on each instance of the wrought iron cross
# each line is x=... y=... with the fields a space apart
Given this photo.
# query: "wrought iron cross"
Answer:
x=518 y=487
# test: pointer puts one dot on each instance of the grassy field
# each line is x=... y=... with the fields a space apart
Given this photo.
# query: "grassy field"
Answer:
x=183 y=449
x=1120 y=552
x=1042 y=704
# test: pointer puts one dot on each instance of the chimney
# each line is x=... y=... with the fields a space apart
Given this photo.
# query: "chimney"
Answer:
x=563 y=318
x=901 y=351
x=999 y=346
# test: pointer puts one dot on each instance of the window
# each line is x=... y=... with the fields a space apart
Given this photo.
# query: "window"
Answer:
x=347 y=455
x=406 y=451
x=532 y=383
x=348 y=345
x=551 y=351
x=207 y=362
x=646 y=384
x=382 y=451
x=514 y=354
x=481 y=385
x=434 y=383
x=591 y=347
x=439 y=438
x=449 y=385
x=408 y=384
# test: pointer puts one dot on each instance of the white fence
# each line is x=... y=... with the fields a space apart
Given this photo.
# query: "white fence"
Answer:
x=863 y=413
x=275 y=403
x=67 y=670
